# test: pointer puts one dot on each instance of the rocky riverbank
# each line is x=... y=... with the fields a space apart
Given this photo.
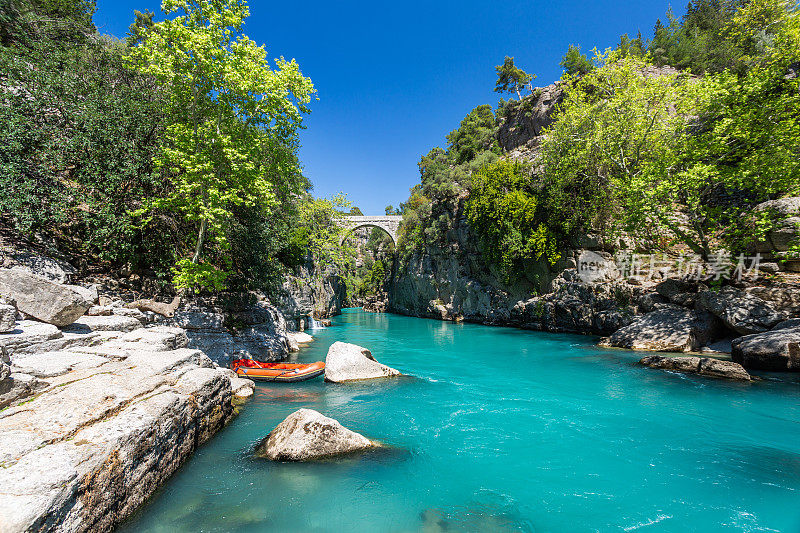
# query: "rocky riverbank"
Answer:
x=100 y=402
x=757 y=323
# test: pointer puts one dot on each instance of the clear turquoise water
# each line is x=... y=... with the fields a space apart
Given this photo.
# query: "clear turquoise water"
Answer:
x=502 y=430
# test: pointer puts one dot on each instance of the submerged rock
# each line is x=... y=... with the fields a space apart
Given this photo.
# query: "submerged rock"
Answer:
x=43 y=299
x=669 y=329
x=307 y=435
x=777 y=350
x=349 y=362
x=297 y=338
x=705 y=366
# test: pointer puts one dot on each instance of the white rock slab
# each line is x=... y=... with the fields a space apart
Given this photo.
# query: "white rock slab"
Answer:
x=350 y=362
x=51 y=364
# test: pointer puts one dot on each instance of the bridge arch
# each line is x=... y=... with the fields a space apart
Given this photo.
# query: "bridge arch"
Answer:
x=388 y=223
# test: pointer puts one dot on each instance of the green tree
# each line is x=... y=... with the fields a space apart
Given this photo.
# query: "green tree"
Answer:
x=503 y=211
x=615 y=143
x=576 y=63
x=78 y=137
x=510 y=78
x=355 y=211
x=628 y=46
x=231 y=140
x=319 y=224
x=139 y=27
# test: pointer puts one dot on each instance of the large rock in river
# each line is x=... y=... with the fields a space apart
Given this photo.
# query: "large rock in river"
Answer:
x=705 y=366
x=669 y=329
x=349 y=362
x=777 y=350
x=43 y=299
x=306 y=435
x=742 y=312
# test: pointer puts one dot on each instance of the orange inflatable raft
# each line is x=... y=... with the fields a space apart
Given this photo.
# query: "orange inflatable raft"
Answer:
x=289 y=372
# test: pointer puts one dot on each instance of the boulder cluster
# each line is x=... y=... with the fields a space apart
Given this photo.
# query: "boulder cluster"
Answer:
x=690 y=317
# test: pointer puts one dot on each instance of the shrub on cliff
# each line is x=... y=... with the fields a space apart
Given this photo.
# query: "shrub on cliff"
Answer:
x=445 y=176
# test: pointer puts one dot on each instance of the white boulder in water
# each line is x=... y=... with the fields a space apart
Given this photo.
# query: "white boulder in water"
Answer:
x=307 y=435
x=350 y=362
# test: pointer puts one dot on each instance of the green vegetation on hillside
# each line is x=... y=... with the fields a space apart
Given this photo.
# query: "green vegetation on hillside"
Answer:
x=172 y=153
x=668 y=157
x=446 y=176
x=503 y=209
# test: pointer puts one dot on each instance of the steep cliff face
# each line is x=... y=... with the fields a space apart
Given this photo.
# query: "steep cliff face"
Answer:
x=453 y=281
x=311 y=292
x=522 y=122
x=452 y=286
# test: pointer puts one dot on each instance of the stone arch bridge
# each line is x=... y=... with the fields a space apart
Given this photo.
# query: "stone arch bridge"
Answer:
x=388 y=223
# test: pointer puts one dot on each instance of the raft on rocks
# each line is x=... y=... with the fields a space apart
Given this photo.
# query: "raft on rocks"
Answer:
x=306 y=435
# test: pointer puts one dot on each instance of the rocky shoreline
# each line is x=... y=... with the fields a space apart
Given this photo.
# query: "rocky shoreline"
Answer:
x=757 y=324
x=100 y=402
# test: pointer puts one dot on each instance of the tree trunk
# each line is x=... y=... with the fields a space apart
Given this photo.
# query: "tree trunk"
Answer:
x=201 y=238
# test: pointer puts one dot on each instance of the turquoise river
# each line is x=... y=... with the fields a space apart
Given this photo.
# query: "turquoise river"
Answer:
x=502 y=430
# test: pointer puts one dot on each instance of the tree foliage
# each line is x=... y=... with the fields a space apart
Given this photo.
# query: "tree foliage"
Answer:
x=511 y=79
x=79 y=131
x=445 y=177
x=503 y=209
x=575 y=63
x=231 y=137
x=674 y=159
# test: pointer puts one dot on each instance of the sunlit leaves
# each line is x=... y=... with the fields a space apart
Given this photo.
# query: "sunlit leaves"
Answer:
x=232 y=137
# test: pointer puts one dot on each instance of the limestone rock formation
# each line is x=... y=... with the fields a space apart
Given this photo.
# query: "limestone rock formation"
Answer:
x=777 y=350
x=164 y=309
x=525 y=120
x=42 y=265
x=698 y=365
x=113 y=420
x=787 y=228
x=740 y=311
x=88 y=324
x=350 y=362
x=784 y=298
x=677 y=291
x=298 y=338
x=669 y=329
x=310 y=292
x=307 y=435
x=8 y=316
x=260 y=331
x=43 y=299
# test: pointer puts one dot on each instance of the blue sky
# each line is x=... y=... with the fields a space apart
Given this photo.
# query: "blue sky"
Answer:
x=394 y=79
